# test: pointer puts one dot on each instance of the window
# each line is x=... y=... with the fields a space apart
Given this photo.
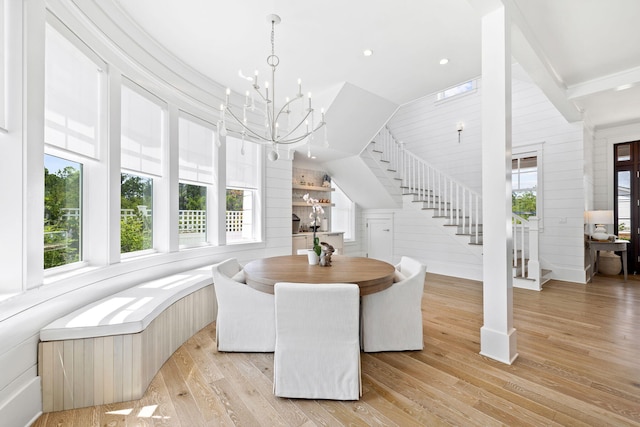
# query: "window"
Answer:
x=242 y=212
x=72 y=116
x=136 y=209
x=62 y=211
x=196 y=140
x=460 y=89
x=524 y=182
x=141 y=155
x=342 y=213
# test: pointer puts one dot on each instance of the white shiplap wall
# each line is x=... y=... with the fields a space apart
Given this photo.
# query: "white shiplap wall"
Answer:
x=428 y=129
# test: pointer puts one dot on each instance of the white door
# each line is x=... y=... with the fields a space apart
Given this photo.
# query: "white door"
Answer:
x=380 y=239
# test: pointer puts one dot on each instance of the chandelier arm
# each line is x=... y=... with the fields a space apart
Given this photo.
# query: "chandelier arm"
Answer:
x=248 y=129
x=298 y=125
x=257 y=89
x=286 y=106
x=301 y=137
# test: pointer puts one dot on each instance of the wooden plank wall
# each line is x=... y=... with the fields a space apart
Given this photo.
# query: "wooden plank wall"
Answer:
x=102 y=370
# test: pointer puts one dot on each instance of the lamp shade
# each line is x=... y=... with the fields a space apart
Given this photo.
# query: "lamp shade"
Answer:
x=600 y=217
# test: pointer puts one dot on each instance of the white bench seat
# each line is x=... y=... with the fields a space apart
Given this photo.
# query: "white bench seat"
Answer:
x=110 y=350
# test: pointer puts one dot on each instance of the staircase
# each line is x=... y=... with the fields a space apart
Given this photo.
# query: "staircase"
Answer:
x=456 y=205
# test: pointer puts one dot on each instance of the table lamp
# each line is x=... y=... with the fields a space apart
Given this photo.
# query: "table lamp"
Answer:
x=600 y=219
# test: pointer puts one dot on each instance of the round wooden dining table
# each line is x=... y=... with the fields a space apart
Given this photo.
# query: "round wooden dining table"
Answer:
x=371 y=275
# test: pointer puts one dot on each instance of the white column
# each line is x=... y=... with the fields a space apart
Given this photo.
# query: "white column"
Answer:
x=497 y=336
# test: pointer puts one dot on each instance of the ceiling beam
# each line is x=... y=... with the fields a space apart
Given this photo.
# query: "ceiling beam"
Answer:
x=618 y=81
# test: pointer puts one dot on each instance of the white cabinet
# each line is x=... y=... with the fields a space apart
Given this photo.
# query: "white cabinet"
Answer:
x=299 y=241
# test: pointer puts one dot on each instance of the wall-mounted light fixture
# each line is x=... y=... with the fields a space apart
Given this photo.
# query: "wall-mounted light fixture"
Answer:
x=460 y=128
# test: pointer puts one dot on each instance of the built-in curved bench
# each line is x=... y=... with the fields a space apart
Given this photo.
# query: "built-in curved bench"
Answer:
x=110 y=350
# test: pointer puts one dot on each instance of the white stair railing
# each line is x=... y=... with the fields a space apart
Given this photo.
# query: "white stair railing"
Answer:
x=453 y=200
x=448 y=197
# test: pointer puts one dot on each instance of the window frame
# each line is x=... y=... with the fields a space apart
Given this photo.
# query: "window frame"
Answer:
x=534 y=150
x=91 y=174
x=157 y=179
x=211 y=187
x=258 y=213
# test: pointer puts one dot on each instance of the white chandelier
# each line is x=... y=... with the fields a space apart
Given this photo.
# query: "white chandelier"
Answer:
x=272 y=133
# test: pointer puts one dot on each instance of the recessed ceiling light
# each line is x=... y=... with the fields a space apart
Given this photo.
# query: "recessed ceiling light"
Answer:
x=367 y=52
x=444 y=61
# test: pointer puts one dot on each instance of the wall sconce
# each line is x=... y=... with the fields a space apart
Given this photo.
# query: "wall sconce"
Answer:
x=459 y=128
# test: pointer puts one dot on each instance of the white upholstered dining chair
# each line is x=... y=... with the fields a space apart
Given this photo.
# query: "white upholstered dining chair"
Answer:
x=317 y=353
x=392 y=318
x=246 y=317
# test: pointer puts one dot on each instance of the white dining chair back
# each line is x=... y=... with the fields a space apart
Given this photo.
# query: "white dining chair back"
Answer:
x=392 y=318
x=317 y=353
x=245 y=321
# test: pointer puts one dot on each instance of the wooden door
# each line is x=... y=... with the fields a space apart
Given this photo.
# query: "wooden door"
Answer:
x=627 y=199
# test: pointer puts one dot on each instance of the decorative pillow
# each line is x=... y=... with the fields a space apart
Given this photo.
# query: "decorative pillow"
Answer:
x=398 y=277
x=239 y=277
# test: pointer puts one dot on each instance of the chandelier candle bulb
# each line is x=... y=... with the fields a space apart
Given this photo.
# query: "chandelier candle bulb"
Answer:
x=299 y=87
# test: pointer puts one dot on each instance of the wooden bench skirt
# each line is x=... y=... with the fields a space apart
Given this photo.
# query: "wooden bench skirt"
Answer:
x=116 y=361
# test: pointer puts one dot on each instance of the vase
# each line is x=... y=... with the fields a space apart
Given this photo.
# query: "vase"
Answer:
x=313 y=257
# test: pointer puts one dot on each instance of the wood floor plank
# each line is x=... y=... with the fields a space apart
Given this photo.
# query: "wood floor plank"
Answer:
x=578 y=365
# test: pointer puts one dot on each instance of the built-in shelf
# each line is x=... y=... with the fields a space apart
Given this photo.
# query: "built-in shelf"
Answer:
x=312 y=188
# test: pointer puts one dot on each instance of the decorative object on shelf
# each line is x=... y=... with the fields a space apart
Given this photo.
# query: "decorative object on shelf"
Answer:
x=271 y=133
x=600 y=219
x=326 y=181
x=315 y=210
x=325 y=255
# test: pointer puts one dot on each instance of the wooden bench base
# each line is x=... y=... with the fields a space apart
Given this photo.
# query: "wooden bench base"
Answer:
x=94 y=371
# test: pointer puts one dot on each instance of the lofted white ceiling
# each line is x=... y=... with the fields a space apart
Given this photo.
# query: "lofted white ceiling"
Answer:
x=586 y=49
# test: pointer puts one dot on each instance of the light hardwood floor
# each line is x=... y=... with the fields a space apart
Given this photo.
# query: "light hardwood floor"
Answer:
x=578 y=364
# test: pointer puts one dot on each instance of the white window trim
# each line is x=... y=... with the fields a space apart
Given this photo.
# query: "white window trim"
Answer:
x=529 y=150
